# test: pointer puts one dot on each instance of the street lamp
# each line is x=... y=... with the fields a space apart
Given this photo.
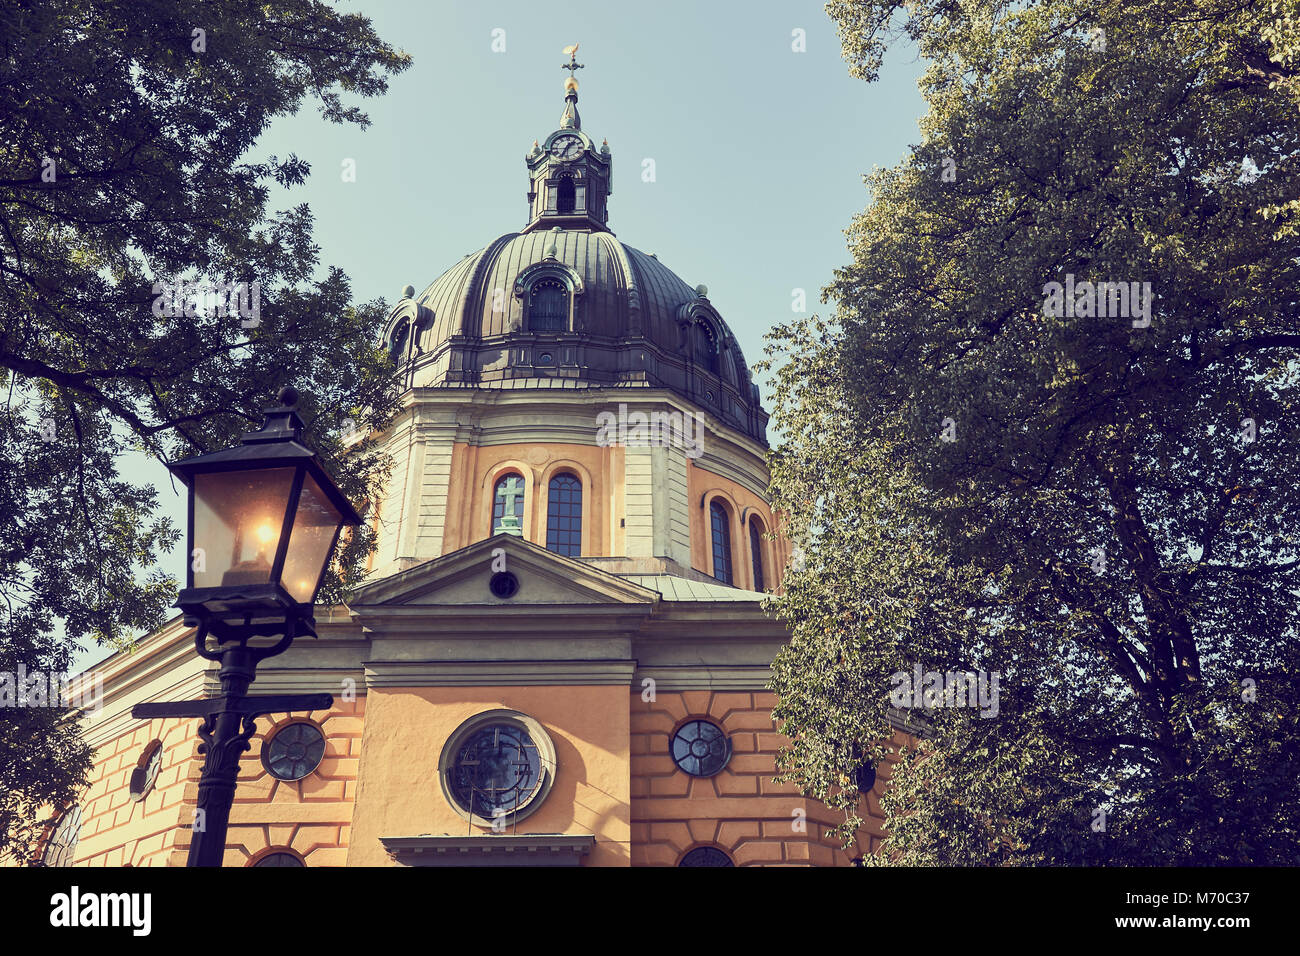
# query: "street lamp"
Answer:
x=264 y=519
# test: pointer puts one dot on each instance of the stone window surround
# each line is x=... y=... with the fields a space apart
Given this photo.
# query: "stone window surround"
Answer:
x=545 y=753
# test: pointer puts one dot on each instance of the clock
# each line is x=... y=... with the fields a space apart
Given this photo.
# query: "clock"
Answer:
x=567 y=147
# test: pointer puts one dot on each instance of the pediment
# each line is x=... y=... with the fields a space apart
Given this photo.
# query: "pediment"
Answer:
x=463 y=578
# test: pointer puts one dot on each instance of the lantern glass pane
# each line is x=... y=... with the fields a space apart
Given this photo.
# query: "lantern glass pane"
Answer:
x=309 y=542
x=238 y=517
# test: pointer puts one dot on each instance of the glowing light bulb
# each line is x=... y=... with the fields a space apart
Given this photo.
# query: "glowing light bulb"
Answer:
x=265 y=533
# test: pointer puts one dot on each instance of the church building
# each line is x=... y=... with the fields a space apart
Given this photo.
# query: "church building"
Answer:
x=560 y=657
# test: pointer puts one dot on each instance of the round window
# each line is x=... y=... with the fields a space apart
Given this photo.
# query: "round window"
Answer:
x=144 y=775
x=497 y=766
x=280 y=858
x=504 y=585
x=706 y=856
x=700 y=748
x=62 y=844
x=294 y=751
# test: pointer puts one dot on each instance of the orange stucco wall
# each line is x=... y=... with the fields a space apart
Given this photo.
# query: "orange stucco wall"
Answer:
x=475 y=470
x=119 y=831
x=311 y=816
x=399 y=794
x=615 y=778
x=741 y=809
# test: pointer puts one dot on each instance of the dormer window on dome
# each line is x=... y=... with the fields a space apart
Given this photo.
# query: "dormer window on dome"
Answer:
x=548 y=306
x=704 y=345
x=397 y=341
x=548 y=290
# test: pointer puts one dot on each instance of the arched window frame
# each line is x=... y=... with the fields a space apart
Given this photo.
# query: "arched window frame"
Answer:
x=703 y=330
x=557 y=186
x=566 y=309
x=503 y=476
x=757 y=560
x=566 y=196
x=720 y=543
x=555 y=534
x=528 y=279
x=399 y=340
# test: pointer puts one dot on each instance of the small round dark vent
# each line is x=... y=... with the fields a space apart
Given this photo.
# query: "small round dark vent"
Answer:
x=504 y=585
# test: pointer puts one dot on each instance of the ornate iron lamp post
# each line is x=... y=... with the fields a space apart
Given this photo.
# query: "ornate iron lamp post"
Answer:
x=264 y=519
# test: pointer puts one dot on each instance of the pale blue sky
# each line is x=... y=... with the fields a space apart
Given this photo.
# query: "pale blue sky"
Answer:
x=759 y=150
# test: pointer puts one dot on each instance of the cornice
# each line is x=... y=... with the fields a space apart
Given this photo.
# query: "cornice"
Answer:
x=115 y=721
x=680 y=677
x=513 y=673
x=530 y=849
x=540 y=403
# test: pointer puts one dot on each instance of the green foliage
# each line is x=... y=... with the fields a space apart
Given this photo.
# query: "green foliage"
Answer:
x=124 y=142
x=1106 y=141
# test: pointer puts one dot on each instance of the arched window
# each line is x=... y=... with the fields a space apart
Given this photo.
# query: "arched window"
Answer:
x=706 y=349
x=564 y=197
x=548 y=306
x=508 y=505
x=721 y=542
x=756 y=552
x=564 y=516
x=397 y=344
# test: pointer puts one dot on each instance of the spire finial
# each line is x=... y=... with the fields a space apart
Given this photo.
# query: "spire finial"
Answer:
x=572 y=53
x=570 y=118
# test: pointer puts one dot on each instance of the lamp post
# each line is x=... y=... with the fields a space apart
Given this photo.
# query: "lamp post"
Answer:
x=264 y=519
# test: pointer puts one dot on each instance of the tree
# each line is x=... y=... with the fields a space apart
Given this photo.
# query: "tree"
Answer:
x=1089 y=490
x=125 y=130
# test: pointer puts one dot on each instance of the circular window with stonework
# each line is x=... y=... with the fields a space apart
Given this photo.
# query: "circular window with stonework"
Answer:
x=280 y=858
x=700 y=748
x=62 y=844
x=497 y=767
x=145 y=774
x=294 y=751
x=706 y=856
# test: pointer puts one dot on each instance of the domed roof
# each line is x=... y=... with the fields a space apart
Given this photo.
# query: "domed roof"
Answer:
x=620 y=290
x=564 y=304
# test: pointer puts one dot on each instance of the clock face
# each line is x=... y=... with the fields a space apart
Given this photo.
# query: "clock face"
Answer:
x=567 y=147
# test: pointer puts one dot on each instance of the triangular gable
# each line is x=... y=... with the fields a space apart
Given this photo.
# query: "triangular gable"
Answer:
x=461 y=578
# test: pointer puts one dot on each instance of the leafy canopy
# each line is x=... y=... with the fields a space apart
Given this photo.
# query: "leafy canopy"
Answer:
x=1102 y=511
x=126 y=137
